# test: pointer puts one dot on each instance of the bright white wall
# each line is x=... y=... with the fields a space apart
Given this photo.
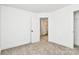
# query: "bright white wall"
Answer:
x=15 y=27
x=61 y=24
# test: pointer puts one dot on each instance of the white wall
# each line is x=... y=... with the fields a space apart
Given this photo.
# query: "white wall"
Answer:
x=15 y=27
x=14 y=23
x=61 y=25
x=61 y=31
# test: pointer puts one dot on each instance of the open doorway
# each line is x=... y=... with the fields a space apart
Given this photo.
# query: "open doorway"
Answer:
x=44 y=29
x=76 y=29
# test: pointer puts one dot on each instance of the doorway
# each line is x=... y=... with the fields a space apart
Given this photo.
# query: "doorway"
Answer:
x=76 y=29
x=44 y=29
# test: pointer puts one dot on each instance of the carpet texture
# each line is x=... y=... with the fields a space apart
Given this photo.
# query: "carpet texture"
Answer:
x=41 y=48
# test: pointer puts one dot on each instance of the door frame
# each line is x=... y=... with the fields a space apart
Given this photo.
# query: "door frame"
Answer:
x=74 y=26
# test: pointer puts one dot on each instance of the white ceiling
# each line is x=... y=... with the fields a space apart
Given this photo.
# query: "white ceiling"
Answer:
x=38 y=8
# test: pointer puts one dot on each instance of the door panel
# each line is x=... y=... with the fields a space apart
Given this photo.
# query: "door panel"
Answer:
x=35 y=30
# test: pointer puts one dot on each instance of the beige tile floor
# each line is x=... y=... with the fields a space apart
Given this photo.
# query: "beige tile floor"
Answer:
x=41 y=48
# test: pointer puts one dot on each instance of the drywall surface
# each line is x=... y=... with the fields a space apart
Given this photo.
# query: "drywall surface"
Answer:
x=16 y=26
x=16 y=23
x=62 y=21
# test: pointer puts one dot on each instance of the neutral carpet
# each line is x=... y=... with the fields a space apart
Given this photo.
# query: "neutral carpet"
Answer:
x=41 y=48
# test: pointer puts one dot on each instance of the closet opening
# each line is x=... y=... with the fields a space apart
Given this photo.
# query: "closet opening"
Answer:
x=76 y=29
x=44 y=29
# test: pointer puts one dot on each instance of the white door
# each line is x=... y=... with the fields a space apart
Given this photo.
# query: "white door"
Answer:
x=35 y=29
x=76 y=27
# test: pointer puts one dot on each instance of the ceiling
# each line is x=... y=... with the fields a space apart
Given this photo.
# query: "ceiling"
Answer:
x=38 y=8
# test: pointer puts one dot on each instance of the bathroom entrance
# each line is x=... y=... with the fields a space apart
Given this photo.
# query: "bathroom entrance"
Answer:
x=44 y=29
